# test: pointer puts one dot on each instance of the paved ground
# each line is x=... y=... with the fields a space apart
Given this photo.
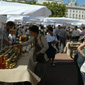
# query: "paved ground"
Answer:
x=62 y=56
x=65 y=72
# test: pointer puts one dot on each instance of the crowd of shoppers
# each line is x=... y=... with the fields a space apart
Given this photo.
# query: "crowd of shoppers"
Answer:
x=43 y=39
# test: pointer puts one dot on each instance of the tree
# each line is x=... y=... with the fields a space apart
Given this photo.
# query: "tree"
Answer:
x=18 y=1
x=13 y=0
x=4 y=0
x=33 y=2
x=58 y=10
x=30 y=2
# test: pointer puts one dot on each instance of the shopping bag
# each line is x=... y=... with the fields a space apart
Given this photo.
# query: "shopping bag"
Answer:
x=82 y=69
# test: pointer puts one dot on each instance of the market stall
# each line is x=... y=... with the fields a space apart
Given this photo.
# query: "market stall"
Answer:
x=23 y=71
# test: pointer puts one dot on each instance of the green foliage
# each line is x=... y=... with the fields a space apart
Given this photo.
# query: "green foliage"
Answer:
x=58 y=10
x=18 y=1
x=4 y=0
x=29 y=2
x=25 y=1
x=33 y=2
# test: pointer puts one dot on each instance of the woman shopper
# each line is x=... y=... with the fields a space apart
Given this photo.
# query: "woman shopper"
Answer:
x=39 y=49
x=36 y=41
x=52 y=41
x=81 y=58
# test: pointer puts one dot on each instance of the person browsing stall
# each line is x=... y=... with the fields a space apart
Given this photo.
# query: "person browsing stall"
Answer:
x=39 y=42
x=5 y=33
x=52 y=41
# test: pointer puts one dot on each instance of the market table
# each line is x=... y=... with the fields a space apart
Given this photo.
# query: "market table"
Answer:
x=24 y=71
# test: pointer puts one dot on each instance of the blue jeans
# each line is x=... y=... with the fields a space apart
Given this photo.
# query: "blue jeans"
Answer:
x=80 y=61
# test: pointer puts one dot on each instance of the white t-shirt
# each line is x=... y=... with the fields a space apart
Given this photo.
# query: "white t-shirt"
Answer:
x=11 y=38
x=75 y=33
x=51 y=38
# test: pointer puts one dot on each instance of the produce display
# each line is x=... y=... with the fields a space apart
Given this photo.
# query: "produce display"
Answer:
x=9 y=57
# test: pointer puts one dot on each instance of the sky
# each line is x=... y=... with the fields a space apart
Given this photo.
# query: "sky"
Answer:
x=79 y=2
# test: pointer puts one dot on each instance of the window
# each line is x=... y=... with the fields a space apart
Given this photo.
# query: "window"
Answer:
x=83 y=12
x=82 y=16
x=73 y=15
x=79 y=16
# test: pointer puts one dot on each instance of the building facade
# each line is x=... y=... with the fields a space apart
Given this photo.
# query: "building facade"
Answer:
x=75 y=11
x=42 y=1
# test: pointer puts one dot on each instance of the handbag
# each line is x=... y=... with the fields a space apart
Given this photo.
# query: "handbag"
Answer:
x=40 y=58
x=82 y=69
x=51 y=51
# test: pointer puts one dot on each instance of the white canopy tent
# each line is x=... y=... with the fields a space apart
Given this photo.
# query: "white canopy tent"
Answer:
x=25 y=19
x=12 y=8
x=61 y=20
x=31 y=18
x=14 y=18
x=48 y=20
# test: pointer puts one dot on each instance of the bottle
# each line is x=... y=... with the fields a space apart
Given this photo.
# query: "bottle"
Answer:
x=9 y=60
x=7 y=51
x=11 y=52
x=5 y=58
x=14 y=59
x=12 y=65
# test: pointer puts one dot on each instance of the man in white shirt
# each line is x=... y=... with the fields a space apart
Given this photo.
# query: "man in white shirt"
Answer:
x=75 y=34
x=5 y=34
x=11 y=37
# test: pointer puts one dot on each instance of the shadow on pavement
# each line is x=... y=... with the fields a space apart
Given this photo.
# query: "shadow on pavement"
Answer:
x=64 y=73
